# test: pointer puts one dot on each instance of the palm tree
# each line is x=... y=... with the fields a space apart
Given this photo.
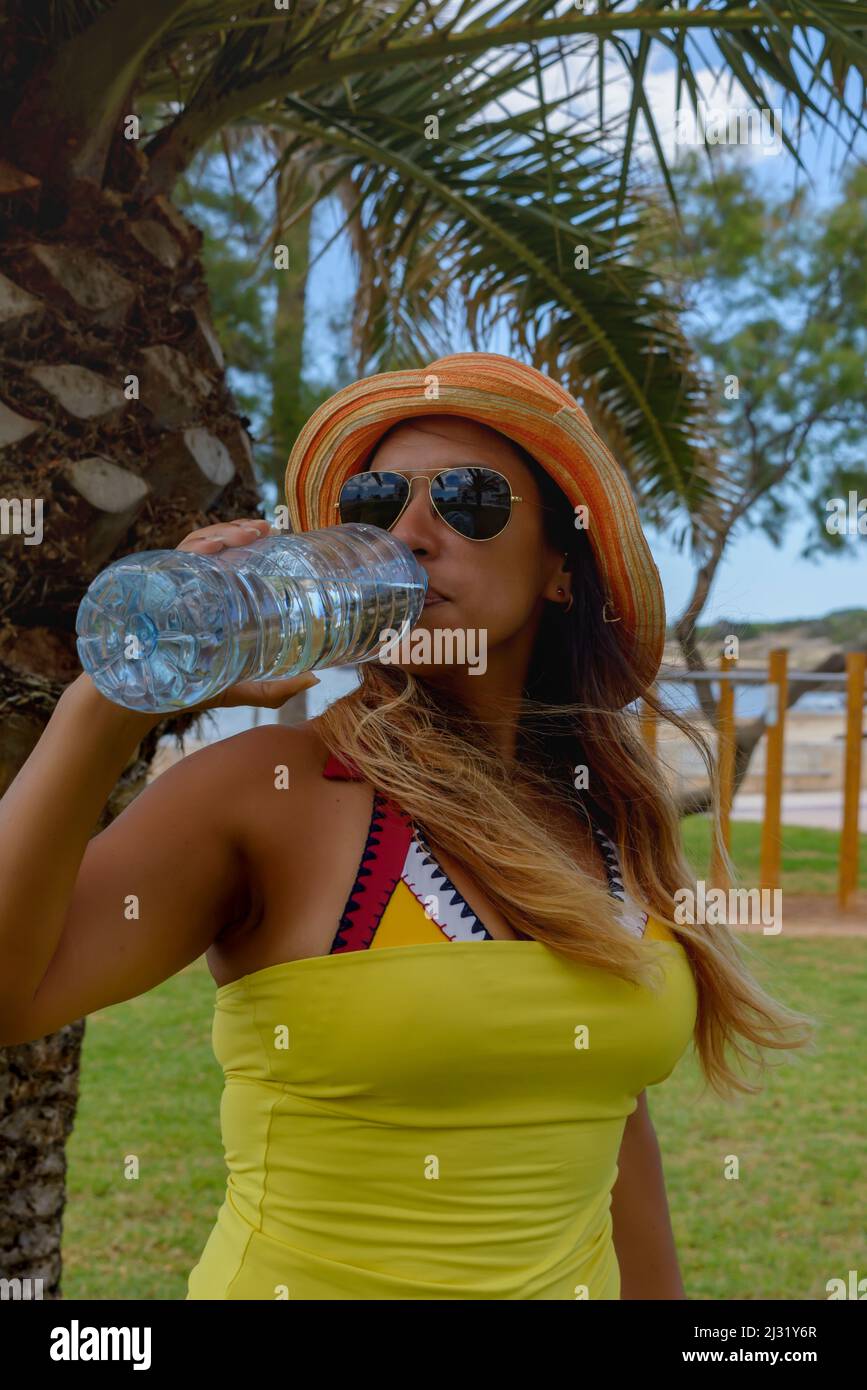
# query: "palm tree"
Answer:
x=114 y=409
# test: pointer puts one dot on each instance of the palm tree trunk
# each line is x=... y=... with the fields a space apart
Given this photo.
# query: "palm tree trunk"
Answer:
x=38 y=1097
x=115 y=417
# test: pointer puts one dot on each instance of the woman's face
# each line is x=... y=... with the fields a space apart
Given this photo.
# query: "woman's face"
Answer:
x=497 y=586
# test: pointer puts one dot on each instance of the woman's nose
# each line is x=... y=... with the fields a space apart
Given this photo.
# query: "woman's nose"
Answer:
x=416 y=525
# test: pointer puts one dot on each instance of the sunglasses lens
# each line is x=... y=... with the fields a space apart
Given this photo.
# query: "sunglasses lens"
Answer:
x=477 y=502
x=373 y=498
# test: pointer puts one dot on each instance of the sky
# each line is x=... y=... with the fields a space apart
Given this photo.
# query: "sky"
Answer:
x=757 y=580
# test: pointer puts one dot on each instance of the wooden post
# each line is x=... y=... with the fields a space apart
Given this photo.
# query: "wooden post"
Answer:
x=856 y=662
x=726 y=763
x=777 y=691
x=648 y=722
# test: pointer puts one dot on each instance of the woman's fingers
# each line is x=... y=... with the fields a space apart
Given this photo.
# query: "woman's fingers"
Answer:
x=225 y=534
x=267 y=694
x=273 y=694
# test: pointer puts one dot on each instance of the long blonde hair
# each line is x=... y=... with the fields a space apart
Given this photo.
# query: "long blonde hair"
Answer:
x=442 y=765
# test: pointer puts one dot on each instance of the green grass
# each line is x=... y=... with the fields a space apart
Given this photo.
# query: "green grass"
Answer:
x=794 y=1217
x=810 y=858
x=150 y=1087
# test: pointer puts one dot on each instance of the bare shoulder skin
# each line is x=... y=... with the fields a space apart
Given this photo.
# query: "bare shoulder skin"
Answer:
x=302 y=845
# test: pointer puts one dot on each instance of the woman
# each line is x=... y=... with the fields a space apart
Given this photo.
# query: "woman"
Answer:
x=440 y=915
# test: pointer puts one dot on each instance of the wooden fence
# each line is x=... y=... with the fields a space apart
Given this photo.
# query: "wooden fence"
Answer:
x=777 y=682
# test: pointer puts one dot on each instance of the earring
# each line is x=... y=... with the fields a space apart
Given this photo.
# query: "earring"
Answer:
x=567 y=608
x=605 y=617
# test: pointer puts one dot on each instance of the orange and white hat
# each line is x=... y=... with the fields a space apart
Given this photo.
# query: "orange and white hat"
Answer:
x=528 y=407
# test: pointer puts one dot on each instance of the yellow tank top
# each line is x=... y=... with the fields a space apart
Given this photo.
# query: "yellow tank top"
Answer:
x=435 y=1120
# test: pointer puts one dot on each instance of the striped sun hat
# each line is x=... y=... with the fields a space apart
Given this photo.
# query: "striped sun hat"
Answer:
x=536 y=413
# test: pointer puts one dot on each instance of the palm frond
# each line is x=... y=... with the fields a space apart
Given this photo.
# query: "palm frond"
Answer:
x=755 y=43
x=478 y=214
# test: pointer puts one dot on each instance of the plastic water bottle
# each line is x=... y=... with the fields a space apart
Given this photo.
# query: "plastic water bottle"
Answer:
x=161 y=630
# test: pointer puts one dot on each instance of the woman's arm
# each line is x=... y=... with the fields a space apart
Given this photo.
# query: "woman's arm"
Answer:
x=643 y=1238
x=86 y=922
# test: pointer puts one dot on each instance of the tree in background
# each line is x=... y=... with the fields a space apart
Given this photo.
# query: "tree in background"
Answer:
x=773 y=293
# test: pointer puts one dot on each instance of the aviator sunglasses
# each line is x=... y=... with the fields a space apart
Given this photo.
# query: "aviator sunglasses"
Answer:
x=475 y=502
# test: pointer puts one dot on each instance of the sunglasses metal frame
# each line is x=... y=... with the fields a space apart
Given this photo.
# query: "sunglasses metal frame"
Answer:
x=402 y=473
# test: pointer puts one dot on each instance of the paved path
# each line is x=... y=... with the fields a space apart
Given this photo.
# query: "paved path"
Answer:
x=812 y=914
x=822 y=810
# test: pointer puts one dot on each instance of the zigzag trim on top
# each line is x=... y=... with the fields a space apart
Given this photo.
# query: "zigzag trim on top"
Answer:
x=632 y=917
x=378 y=875
x=397 y=849
x=427 y=879
x=394 y=850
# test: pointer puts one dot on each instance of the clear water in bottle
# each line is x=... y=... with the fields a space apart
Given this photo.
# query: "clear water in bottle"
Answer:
x=161 y=630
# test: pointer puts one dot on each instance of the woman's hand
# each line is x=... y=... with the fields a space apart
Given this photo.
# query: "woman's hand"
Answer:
x=213 y=540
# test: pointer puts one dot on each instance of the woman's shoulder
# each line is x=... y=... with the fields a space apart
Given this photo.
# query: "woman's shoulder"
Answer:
x=269 y=769
x=298 y=745
x=288 y=822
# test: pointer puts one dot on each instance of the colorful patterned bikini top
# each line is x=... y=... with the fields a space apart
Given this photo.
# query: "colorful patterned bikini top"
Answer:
x=402 y=896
